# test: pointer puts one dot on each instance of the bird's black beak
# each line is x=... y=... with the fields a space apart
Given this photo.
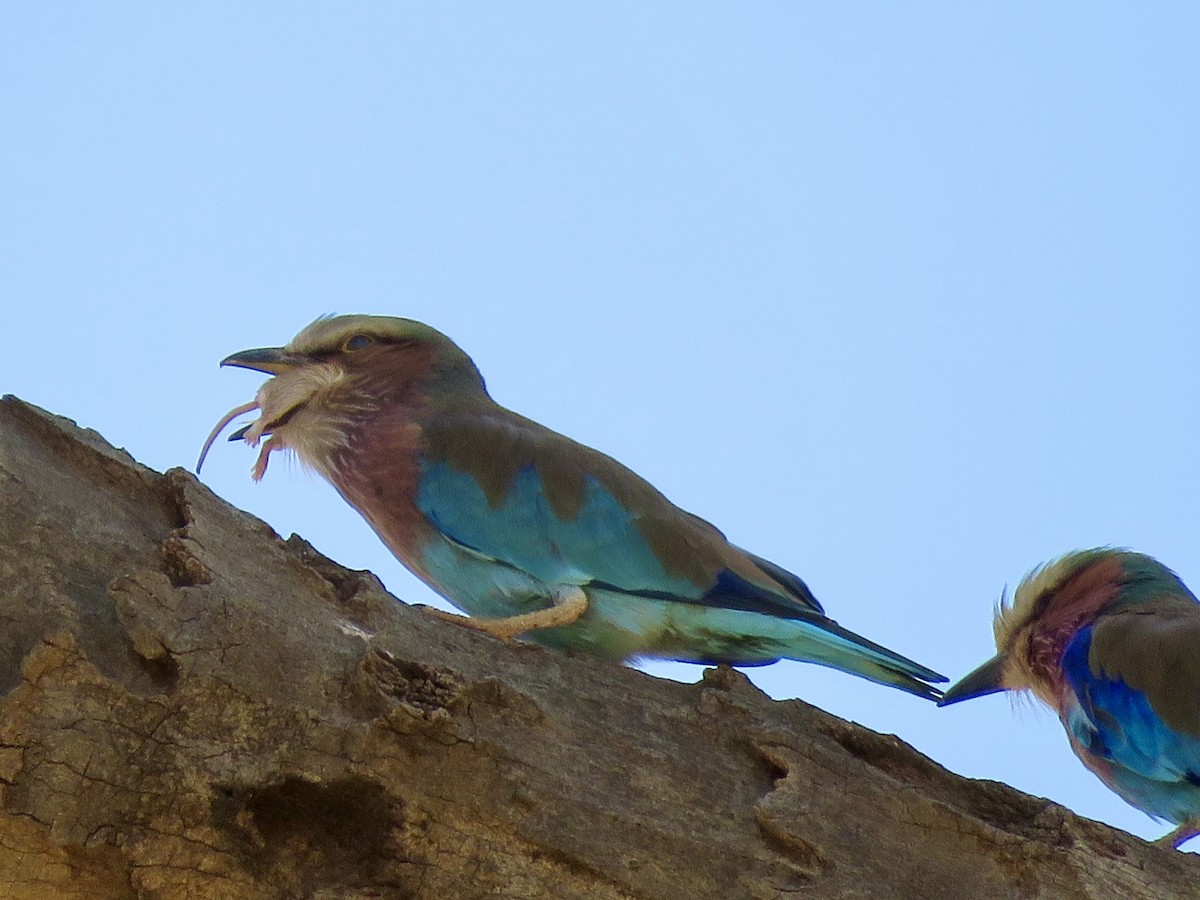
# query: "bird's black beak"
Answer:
x=984 y=680
x=272 y=360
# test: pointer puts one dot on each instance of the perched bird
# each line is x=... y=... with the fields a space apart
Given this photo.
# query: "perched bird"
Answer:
x=527 y=530
x=1110 y=640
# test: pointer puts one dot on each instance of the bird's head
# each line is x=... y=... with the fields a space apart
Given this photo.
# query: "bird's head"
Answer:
x=337 y=375
x=1048 y=608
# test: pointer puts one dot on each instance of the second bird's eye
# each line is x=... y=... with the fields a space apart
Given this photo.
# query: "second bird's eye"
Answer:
x=358 y=342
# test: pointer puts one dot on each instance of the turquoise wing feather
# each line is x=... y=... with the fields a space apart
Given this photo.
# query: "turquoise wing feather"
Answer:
x=602 y=545
x=529 y=501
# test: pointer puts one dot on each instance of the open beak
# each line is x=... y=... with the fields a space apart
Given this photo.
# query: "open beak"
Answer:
x=272 y=360
x=987 y=679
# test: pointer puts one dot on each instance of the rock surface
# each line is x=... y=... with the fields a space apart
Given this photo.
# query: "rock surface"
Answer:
x=194 y=708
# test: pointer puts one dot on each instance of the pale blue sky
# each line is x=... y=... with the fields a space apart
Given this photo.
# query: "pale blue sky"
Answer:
x=903 y=297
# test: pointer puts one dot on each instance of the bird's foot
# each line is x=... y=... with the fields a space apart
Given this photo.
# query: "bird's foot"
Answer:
x=569 y=604
x=484 y=625
x=1184 y=832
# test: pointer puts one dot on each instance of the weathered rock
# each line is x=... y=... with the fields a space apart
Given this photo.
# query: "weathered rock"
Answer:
x=193 y=708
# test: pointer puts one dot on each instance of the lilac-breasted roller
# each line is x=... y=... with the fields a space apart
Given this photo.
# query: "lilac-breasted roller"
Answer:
x=528 y=531
x=1110 y=640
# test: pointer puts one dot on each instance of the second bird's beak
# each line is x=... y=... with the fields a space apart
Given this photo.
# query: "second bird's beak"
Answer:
x=272 y=360
x=987 y=679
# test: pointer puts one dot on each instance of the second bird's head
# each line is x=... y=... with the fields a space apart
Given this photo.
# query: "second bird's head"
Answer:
x=1049 y=608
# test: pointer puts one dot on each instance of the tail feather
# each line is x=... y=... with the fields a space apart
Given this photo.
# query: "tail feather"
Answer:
x=827 y=643
x=653 y=628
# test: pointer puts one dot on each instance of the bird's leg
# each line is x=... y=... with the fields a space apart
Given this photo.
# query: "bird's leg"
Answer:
x=1184 y=832
x=570 y=602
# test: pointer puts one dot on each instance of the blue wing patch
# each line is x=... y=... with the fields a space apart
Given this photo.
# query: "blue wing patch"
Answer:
x=600 y=544
x=1119 y=724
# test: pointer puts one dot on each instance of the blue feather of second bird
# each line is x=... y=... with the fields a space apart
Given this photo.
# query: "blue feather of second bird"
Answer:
x=1154 y=767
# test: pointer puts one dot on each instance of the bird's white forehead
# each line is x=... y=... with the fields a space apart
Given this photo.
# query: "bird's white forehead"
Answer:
x=328 y=333
x=1036 y=584
x=1037 y=594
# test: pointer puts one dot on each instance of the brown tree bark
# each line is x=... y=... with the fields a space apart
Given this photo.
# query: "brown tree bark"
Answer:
x=194 y=708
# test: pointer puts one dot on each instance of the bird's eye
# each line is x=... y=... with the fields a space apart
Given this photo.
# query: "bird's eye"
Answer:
x=358 y=342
